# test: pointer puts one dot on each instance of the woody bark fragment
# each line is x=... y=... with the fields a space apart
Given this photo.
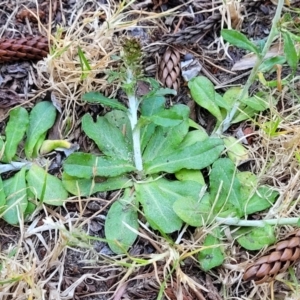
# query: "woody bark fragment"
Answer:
x=281 y=256
x=27 y=48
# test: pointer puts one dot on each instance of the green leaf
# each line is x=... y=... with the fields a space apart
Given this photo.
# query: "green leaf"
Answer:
x=235 y=150
x=254 y=198
x=262 y=199
x=194 y=212
x=231 y=96
x=108 y=137
x=15 y=130
x=47 y=188
x=157 y=198
x=197 y=156
x=86 y=187
x=119 y=119
x=169 y=117
x=30 y=209
x=255 y=238
x=147 y=133
x=256 y=103
x=149 y=107
x=160 y=92
x=290 y=51
x=84 y=64
x=86 y=165
x=193 y=175
x=244 y=114
x=203 y=92
x=225 y=188
x=193 y=137
x=42 y=118
x=121 y=215
x=240 y=40
x=212 y=256
x=98 y=98
x=269 y=63
x=16 y=201
x=165 y=118
x=2 y=196
x=165 y=140
x=152 y=105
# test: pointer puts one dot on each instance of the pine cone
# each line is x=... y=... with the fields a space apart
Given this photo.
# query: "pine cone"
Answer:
x=193 y=34
x=169 y=69
x=281 y=256
x=28 y=48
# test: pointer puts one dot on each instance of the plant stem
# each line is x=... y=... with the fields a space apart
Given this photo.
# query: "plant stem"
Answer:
x=227 y=122
x=133 y=106
x=257 y=223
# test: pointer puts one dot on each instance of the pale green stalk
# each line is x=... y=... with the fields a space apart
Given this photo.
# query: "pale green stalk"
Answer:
x=227 y=122
x=133 y=106
x=257 y=223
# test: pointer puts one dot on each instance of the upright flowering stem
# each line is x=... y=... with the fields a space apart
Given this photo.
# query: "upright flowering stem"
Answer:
x=133 y=106
x=132 y=55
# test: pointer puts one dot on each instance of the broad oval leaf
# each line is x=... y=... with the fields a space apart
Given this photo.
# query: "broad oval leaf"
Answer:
x=120 y=119
x=157 y=198
x=86 y=165
x=165 y=140
x=240 y=40
x=42 y=118
x=235 y=150
x=194 y=212
x=121 y=225
x=152 y=105
x=193 y=175
x=213 y=255
x=16 y=198
x=169 y=117
x=15 y=130
x=262 y=199
x=290 y=51
x=256 y=238
x=225 y=187
x=98 y=98
x=197 y=156
x=203 y=92
x=46 y=187
x=256 y=103
x=108 y=137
